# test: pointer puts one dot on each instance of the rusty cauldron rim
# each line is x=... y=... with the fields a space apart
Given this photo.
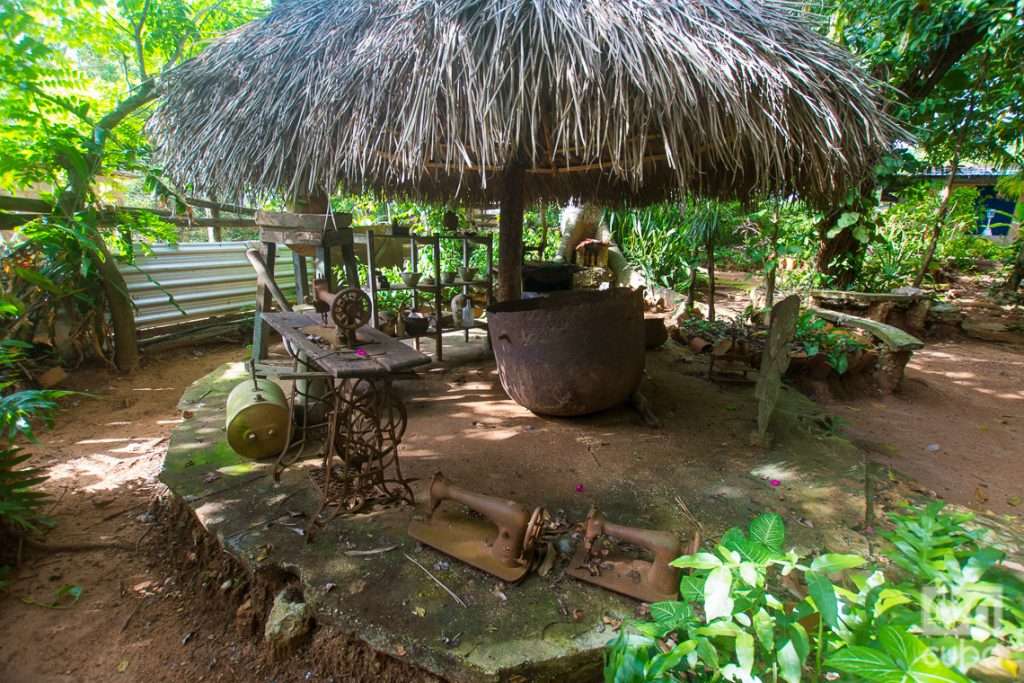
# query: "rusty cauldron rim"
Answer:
x=551 y=301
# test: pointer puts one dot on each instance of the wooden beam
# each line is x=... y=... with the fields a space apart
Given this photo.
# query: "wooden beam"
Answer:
x=510 y=231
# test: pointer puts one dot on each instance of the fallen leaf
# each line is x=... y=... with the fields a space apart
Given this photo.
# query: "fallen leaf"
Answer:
x=400 y=651
x=420 y=612
x=122 y=666
x=980 y=495
x=1013 y=500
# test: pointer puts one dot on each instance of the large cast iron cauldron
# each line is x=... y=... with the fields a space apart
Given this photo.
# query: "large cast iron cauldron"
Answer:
x=571 y=353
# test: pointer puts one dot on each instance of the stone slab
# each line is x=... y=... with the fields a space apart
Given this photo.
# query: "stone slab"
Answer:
x=383 y=599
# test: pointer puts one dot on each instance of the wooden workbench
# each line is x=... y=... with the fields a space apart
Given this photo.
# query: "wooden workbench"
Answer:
x=384 y=355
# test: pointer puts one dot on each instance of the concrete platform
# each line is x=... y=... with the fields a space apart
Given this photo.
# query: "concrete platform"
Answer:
x=460 y=422
x=384 y=599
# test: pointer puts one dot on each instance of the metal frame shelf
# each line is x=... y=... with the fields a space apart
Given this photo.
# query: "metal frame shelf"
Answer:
x=434 y=292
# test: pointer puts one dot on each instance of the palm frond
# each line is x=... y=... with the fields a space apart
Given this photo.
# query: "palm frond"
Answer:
x=615 y=101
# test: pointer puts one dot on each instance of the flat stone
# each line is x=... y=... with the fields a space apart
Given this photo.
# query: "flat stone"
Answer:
x=991 y=330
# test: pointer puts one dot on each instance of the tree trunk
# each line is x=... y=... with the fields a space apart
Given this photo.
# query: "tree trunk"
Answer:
x=691 y=290
x=1016 y=277
x=838 y=256
x=710 y=247
x=940 y=220
x=773 y=254
x=510 y=234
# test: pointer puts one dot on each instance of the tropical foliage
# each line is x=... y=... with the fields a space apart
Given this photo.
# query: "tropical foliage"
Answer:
x=752 y=611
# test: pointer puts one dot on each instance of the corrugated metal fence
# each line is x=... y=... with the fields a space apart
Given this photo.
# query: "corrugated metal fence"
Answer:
x=187 y=282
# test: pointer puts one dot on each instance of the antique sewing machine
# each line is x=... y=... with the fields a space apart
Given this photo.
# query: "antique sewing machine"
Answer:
x=650 y=581
x=500 y=543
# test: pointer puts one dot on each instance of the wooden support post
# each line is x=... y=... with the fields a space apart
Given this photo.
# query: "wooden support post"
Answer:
x=371 y=270
x=438 y=311
x=301 y=277
x=214 y=232
x=260 y=331
x=510 y=231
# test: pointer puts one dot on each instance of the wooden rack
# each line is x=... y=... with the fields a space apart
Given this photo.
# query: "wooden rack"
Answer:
x=433 y=293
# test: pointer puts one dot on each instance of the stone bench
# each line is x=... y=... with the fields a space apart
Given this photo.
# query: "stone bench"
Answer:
x=897 y=346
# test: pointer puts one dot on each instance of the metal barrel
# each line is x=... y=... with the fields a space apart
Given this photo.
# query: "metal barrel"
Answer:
x=257 y=419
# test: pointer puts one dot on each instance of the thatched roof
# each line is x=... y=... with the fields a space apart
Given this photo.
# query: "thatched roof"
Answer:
x=608 y=100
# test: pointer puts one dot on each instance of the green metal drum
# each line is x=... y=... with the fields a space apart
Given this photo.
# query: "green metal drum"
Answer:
x=257 y=419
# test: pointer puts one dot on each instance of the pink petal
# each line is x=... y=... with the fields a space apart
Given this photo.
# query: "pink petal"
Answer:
x=775 y=482
x=579 y=488
x=361 y=352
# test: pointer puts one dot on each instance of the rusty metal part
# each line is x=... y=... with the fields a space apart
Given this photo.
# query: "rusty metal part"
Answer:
x=501 y=545
x=650 y=581
x=571 y=353
x=361 y=463
x=348 y=309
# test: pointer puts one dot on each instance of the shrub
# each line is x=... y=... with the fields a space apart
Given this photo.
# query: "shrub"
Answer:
x=752 y=612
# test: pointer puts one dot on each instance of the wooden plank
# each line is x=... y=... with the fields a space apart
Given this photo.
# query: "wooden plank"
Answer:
x=307 y=222
x=865 y=297
x=893 y=337
x=313 y=238
x=26 y=204
x=217 y=206
x=385 y=354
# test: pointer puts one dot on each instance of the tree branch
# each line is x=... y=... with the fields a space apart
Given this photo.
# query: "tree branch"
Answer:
x=923 y=78
x=137 y=28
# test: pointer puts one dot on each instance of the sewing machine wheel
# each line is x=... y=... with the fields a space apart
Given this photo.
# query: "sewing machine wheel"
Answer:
x=350 y=309
x=533 y=529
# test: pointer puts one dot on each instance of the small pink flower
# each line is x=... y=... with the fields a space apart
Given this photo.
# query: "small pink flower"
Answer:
x=775 y=483
x=361 y=353
x=579 y=488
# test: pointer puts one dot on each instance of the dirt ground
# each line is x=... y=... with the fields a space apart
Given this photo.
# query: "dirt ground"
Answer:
x=956 y=429
x=957 y=426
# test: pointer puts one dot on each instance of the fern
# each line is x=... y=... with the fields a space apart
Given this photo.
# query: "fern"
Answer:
x=20 y=504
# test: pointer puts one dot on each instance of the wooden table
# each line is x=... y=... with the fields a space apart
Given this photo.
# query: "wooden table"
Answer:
x=365 y=419
x=384 y=355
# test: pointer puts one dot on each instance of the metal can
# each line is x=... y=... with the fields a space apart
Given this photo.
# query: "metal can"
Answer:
x=257 y=419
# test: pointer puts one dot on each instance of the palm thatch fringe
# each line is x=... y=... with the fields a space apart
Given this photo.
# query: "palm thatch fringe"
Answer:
x=615 y=101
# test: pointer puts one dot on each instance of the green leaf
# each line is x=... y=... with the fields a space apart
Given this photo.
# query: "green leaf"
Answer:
x=691 y=587
x=708 y=653
x=717 y=602
x=834 y=562
x=790 y=663
x=866 y=663
x=39 y=280
x=671 y=613
x=697 y=561
x=798 y=636
x=847 y=219
x=745 y=651
x=769 y=530
x=764 y=627
x=824 y=596
x=663 y=663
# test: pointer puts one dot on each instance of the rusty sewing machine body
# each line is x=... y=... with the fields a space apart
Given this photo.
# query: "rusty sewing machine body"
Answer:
x=650 y=581
x=348 y=309
x=501 y=544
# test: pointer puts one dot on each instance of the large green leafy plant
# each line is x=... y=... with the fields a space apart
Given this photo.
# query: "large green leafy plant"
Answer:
x=752 y=612
x=21 y=503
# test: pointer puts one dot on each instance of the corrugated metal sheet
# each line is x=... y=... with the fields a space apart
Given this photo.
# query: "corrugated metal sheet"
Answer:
x=204 y=278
